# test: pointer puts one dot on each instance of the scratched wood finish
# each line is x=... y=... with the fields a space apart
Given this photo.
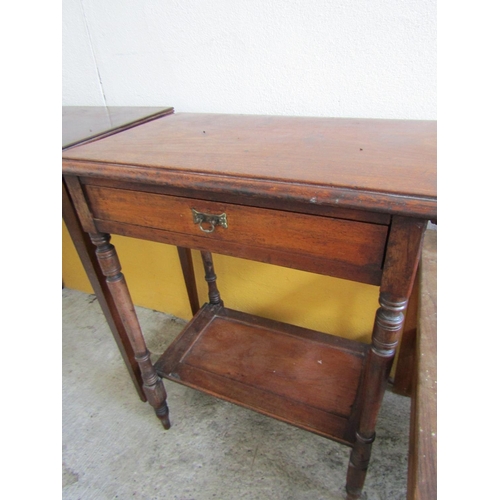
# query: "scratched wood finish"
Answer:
x=242 y=198
x=384 y=165
x=422 y=466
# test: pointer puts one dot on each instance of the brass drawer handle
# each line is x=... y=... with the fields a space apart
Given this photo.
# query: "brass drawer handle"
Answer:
x=213 y=220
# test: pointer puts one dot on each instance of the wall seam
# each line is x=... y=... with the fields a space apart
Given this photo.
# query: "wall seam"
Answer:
x=93 y=54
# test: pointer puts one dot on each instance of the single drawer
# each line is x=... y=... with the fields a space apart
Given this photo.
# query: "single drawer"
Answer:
x=357 y=244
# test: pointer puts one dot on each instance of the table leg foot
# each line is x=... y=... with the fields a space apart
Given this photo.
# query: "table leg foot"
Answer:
x=358 y=465
x=162 y=414
x=352 y=496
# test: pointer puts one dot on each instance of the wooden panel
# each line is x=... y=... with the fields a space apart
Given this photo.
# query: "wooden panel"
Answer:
x=404 y=370
x=422 y=467
x=238 y=351
x=303 y=377
x=356 y=243
x=262 y=401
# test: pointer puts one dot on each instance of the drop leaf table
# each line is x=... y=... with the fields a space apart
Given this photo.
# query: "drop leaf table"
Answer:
x=84 y=124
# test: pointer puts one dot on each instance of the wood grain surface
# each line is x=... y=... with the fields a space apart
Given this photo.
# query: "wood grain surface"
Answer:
x=356 y=243
x=422 y=474
x=302 y=377
x=372 y=184
x=379 y=164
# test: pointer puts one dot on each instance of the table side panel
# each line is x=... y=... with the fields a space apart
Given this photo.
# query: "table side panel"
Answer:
x=422 y=464
x=292 y=412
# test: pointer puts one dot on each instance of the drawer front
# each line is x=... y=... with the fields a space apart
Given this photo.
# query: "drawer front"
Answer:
x=351 y=242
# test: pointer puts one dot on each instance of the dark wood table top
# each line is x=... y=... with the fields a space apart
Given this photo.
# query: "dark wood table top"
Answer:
x=383 y=165
x=83 y=123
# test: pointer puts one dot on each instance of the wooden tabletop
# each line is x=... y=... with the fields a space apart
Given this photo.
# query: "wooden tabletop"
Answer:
x=81 y=123
x=385 y=165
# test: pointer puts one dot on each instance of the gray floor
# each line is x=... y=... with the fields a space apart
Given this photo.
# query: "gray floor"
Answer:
x=114 y=446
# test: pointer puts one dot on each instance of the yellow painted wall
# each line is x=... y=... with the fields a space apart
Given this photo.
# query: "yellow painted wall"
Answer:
x=154 y=276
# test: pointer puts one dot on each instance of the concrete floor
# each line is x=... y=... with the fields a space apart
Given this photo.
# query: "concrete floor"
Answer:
x=115 y=447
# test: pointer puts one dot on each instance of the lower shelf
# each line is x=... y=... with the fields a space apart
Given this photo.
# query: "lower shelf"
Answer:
x=306 y=378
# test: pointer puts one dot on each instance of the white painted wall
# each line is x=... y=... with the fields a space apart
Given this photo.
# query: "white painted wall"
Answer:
x=362 y=58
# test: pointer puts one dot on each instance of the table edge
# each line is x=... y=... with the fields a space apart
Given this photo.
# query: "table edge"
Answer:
x=329 y=195
x=119 y=128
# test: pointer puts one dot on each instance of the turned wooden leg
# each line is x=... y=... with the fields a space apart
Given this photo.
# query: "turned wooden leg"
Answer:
x=152 y=384
x=388 y=325
x=403 y=253
x=211 y=279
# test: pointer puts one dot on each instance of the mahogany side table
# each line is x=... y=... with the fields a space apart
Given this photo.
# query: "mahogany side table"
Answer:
x=349 y=198
x=83 y=124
